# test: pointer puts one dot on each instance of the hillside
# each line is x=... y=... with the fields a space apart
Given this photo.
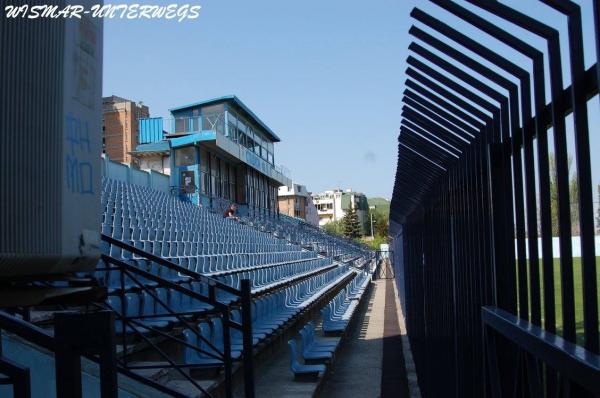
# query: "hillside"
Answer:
x=381 y=205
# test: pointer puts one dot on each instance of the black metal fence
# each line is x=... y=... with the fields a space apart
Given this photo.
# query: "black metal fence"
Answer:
x=482 y=187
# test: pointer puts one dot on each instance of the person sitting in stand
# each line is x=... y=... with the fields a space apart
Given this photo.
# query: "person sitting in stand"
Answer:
x=230 y=212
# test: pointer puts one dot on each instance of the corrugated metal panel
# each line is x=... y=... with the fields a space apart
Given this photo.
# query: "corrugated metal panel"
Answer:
x=151 y=130
x=36 y=233
x=30 y=138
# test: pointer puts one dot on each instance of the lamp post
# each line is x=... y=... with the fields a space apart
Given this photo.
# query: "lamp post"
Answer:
x=372 y=208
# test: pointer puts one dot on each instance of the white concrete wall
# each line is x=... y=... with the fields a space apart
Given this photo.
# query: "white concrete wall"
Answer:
x=575 y=243
x=147 y=178
x=159 y=164
x=311 y=212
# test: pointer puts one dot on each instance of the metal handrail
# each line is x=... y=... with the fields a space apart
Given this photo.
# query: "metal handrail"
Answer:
x=133 y=322
x=18 y=376
x=45 y=340
x=172 y=266
x=571 y=360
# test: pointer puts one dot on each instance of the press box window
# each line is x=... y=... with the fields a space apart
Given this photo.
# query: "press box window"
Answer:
x=185 y=156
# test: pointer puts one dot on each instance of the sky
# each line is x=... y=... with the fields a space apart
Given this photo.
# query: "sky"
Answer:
x=326 y=76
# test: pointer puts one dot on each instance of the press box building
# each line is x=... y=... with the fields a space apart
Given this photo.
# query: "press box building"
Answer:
x=216 y=152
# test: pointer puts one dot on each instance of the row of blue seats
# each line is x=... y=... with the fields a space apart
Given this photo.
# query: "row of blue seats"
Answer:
x=216 y=231
x=172 y=234
x=314 y=353
x=143 y=304
x=339 y=311
x=149 y=228
x=262 y=278
x=265 y=278
x=270 y=313
x=301 y=233
x=191 y=249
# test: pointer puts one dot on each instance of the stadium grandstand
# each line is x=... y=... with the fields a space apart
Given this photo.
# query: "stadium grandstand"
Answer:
x=121 y=281
x=176 y=276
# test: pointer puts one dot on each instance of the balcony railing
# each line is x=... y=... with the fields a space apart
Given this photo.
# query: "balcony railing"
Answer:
x=155 y=129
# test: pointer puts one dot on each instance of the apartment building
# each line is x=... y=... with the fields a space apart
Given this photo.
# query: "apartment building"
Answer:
x=332 y=206
x=296 y=201
x=120 y=127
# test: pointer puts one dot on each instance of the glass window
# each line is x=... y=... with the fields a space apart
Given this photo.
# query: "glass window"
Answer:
x=181 y=125
x=243 y=126
x=185 y=156
x=249 y=143
x=203 y=161
x=231 y=118
x=257 y=144
x=232 y=132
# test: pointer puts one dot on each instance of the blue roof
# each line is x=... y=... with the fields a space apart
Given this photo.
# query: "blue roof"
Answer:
x=159 y=146
x=239 y=103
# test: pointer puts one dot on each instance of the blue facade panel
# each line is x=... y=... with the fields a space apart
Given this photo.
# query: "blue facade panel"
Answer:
x=151 y=130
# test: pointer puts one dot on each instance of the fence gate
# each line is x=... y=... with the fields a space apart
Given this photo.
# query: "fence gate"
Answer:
x=494 y=160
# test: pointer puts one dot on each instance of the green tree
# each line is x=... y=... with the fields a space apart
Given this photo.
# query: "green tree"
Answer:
x=381 y=224
x=334 y=228
x=351 y=225
x=573 y=196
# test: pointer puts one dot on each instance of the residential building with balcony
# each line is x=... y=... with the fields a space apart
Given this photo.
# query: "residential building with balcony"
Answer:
x=332 y=206
x=217 y=152
x=296 y=201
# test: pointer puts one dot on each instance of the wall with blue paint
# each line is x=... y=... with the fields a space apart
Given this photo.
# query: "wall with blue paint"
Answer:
x=43 y=373
x=122 y=172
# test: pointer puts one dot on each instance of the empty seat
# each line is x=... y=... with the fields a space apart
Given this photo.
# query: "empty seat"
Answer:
x=303 y=371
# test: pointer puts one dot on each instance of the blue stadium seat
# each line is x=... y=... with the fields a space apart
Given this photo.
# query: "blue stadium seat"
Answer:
x=303 y=370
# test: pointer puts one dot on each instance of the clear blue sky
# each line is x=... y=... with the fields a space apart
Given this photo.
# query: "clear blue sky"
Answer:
x=326 y=76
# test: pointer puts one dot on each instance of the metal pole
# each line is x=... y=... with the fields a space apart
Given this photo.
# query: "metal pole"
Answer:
x=247 y=338
x=79 y=334
x=227 y=355
x=67 y=360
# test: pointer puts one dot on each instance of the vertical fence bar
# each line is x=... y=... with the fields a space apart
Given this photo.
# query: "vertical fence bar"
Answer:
x=247 y=337
x=584 y=175
x=505 y=167
x=227 y=355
